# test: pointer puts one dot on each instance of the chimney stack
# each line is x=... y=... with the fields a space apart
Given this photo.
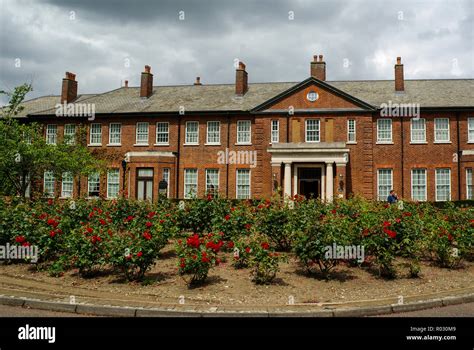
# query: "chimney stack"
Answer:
x=318 y=68
x=126 y=83
x=399 y=79
x=69 y=88
x=146 y=86
x=198 y=81
x=241 y=80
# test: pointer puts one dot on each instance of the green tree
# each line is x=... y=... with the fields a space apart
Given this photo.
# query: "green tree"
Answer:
x=25 y=154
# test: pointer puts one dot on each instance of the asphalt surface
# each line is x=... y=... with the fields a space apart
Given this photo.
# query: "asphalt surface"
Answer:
x=462 y=310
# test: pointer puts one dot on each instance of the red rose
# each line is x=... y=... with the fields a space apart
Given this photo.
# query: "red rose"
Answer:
x=194 y=257
x=407 y=213
x=20 y=239
x=162 y=221
x=52 y=222
x=89 y=229
x=397 y=220
x=139 y=254
x=248 y=226
x=182 y=265
x=230 y=244
x=227 y=217
x=151 y=214
x=204 y=259
x=386 y=224
x=450 y=237
x=334 y=211
x=52 y=234
x=265 y=245
x=102 y=222
x=50 y=202
x=147 y=235
x=248 y=250
x=232 y=209
x=26 y=244
x=391 y=233
x=148 y=224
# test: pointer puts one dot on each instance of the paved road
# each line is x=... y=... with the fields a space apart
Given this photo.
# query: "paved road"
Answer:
x=463 y=310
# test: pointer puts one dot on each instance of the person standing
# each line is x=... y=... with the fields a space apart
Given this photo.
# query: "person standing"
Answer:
x=392 y=197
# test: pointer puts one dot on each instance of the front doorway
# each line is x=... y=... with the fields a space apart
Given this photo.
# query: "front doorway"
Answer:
x=309 y=182
x=145 y=184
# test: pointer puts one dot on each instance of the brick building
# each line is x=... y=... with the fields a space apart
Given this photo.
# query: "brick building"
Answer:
x=316 y=137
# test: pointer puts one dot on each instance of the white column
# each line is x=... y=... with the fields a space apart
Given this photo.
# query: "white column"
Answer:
x=329 y=182
x=287 y=185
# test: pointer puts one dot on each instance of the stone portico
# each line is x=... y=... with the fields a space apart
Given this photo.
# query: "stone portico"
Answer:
x=311 y=169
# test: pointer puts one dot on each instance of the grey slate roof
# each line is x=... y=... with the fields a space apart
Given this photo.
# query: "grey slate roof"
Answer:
x=221 y=97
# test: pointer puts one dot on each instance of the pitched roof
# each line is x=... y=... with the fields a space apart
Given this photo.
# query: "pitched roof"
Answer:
x=221 y=97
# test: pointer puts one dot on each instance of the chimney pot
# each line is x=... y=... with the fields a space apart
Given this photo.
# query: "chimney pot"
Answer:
x=318 y=68
x=198 y=81
x=146 y=85
x=399 y=78
x=126 y=83
x=241 y=80
x=69 y=88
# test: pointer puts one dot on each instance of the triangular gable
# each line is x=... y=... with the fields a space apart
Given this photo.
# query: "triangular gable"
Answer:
x=328 y=97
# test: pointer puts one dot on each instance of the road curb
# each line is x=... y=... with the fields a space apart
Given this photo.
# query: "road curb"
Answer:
x=127 y=311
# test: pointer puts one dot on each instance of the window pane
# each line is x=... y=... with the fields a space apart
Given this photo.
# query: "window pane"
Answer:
x=162 y=133
x=96 y=134
x=142 y=133
x=49 y=182
x=67 y=185
x=351 y=130
x=442 y=129
x=212 y=180
x=51 y=134
x=384 y=130
x=470 y=129
x=94 y=185
x=243 y=131
x=243 y=183
x=469 y=183
x=166 y=177
x=69 y=133
x=418 y=132
x=192 y=132
x=418 y=184
x=213 y=132
x=443 y=184
x=145 y=172
x=113 y=183
x=190 y=183
x=384 y=183
x=275 y=131
x=312 y=130
x=115 y=133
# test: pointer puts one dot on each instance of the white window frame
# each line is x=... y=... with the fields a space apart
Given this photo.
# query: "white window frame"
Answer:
x=379 y=131
x=161 y=132
x=166 y=177
x=275 y=131
x=418 y=132
x=51 y=134
x=436 y=140
x=470 y=130
x=139 y=133
x=49 y=180
x=237 y=192
x=419 y=185
x=244 y=137
x=187 y=192
x=69 y=134
x=469 y=188
x=67 y=185
x=93 y=133
x=194 y=134
x=379 y=195
x=351 y=130
x=113 y=181
x=211 y=138
x=436 y=184
x=317 y=130
x=208 y=184
x=91 y=183
x=114 y=133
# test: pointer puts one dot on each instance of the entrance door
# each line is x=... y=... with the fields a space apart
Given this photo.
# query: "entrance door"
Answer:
x=145 y=184
x=309 y=182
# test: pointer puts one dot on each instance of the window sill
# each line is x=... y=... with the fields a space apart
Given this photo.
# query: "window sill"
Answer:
x=306 y=141
x=442 y=142
x=351 y=143
x=212 y=144
x=470 y=141
x=243 y=144
x=141 y=145
x=384 y=143
x=161 y=144
x=418 y=143
x=114 y=145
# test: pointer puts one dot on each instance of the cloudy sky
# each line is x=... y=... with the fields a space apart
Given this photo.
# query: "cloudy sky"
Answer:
x=107 y=42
